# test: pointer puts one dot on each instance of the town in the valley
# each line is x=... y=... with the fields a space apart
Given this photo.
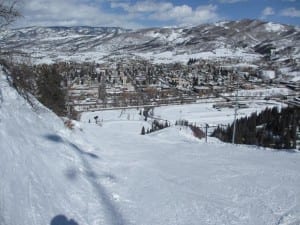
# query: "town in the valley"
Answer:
x=137 y=82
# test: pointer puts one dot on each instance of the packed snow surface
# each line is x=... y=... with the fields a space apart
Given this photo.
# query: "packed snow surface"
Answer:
x=107 y=173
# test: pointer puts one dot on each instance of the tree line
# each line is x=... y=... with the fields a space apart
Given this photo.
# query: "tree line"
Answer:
x=271 y=128
x=155 y=126
x=197 y=131
x=42 y=81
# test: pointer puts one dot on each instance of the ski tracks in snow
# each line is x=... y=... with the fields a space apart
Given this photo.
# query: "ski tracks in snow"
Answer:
x=108 y=201
x=30 y=197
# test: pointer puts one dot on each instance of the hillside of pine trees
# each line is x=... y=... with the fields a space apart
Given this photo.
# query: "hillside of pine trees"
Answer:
x=45 y=82
x=270 y=128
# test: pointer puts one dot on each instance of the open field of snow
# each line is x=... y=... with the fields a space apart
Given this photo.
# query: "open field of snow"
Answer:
x=172 y=57
x=263 y=92
x=200 y=113
x=112 y=175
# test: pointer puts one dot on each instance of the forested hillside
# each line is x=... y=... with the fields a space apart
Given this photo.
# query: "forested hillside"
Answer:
x=270 y=128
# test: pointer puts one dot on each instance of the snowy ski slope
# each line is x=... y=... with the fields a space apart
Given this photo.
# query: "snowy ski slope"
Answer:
x=110 y=174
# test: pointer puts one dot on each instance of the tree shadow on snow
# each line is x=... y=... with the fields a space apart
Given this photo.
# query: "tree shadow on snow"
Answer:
x=75 y=147
x=62 y=220
x=111 y=211
x=54 y=138
x=71 y=173
x=59 y=139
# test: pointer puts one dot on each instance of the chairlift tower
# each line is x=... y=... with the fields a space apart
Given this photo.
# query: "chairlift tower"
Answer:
x=68 y=96
x=235 y=111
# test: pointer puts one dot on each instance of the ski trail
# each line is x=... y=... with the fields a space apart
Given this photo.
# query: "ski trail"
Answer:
x=111 y=211
x=253 y=38
x=34 y=221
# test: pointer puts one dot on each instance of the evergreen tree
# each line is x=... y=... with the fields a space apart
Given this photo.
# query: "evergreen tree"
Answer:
x=50 y=92
x=270 y=128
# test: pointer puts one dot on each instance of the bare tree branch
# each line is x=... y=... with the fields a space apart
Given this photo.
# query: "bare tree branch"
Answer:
x=8 y=12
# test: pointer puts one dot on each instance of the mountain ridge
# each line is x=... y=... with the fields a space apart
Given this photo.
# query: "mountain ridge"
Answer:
x=243 y=35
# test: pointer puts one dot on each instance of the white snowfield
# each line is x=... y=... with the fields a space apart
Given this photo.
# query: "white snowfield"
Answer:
x=112 y=175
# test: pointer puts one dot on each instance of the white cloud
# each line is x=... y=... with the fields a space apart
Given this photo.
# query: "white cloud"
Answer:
x=143 y=6
x=133 y=15
x=174 y=13
x=290 y=12
x=268 y=11
x=166 y=11
x=70 y=13
x=185 y=15
x=231 y=1
x=202 y=14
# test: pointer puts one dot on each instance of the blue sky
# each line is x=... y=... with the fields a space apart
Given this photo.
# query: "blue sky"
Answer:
x=149 y=13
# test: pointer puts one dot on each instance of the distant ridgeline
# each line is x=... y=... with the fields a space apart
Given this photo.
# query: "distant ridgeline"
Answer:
x=270 y=128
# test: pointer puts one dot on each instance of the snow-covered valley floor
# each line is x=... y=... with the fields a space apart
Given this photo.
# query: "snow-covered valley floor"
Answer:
x=110 y=174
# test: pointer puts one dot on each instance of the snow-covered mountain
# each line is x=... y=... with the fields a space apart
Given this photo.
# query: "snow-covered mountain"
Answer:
x=112 y=175
x=250 y=39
